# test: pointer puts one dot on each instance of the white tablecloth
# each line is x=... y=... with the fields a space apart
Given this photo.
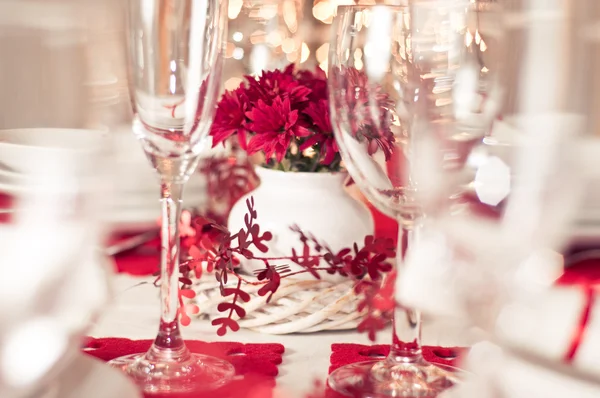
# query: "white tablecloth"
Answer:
x=134 y=314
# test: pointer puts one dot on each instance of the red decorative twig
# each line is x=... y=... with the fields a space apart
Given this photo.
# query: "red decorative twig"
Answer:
x=228 y=321
x=210 y=247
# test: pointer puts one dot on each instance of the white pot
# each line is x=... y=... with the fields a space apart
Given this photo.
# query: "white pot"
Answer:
x=317 y=202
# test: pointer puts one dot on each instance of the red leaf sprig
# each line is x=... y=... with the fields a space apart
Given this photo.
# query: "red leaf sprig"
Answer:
x=211 y=247
x=230 y=308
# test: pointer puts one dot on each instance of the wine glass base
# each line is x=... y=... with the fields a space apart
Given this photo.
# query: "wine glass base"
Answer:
x=378 y=379
x=194 y=374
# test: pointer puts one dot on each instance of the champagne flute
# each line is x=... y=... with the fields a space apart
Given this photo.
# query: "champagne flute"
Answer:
x=375 y=83
x=175 y=72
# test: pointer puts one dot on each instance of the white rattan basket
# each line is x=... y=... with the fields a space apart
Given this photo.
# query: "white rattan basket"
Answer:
x=298 y=306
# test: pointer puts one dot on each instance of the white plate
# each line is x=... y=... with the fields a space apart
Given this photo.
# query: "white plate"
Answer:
x=9 y=186
x=28 y=150
x=90 y=378
x=4 y=173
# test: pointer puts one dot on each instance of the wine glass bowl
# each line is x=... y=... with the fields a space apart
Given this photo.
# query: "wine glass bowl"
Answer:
x=176 y=50
x=373 y=133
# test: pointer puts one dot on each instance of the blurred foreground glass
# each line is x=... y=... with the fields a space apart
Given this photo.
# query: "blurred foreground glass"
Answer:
x=374 y=91
x=505 y=373
x=498 y=203
x=54 y=189
x=175 y=71
x=496 y=206
x=550 y=116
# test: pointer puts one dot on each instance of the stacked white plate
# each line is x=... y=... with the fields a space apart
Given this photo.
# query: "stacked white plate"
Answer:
x=135 y=190
x=29 y=156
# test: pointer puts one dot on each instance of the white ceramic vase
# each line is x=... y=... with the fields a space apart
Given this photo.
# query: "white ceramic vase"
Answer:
x=317 y=202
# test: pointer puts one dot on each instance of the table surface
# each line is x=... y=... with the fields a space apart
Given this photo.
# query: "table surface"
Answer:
x=134 y=314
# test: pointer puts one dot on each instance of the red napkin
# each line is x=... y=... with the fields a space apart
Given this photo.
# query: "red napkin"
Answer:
x=385 y=227
x=6 y=203
x=138 y=264
x=586 y=272
x=141 y=261
x=255 y=364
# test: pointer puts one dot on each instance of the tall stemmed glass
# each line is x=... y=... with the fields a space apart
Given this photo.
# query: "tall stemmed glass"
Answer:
x=175 y=71
x=375 y=84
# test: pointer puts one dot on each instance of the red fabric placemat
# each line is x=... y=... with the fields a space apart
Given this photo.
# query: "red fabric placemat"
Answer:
x=345 y=354
x=255 y=364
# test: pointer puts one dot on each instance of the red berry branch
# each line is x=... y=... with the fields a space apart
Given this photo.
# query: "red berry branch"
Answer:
x=209 y=247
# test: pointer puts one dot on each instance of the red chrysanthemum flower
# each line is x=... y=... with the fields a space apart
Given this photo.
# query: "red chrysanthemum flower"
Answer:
x=277 y=83
x=274 y=126
x=316 y=82
x=230 y=117
x=318 y=113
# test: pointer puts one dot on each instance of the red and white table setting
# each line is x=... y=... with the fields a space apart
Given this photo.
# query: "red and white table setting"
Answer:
x=301 y=359
x=414 y=216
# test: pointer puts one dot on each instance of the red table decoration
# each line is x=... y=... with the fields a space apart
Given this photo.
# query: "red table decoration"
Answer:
x=586 y=272
x=138 y=263
x=7 y=202
x=255 y=364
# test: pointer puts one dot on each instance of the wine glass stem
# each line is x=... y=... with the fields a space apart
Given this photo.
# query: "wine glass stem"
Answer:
x=169 y=340
x=406 y=339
